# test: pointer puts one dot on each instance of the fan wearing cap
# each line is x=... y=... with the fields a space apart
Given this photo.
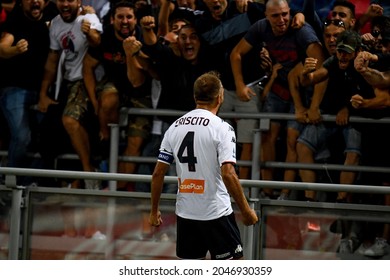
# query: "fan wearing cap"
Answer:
x=332 y=28
x=305 y=100
x=346 y=50
x=342 y=82
x=347 y=47
x=347 y=44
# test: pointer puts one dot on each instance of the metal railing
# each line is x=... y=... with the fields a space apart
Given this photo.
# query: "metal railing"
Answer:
x=252 y=236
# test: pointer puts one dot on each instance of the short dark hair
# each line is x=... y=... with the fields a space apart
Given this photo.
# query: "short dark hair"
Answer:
x=207 y=87
x=121 y=4
x=189 y=25
x=173 y=21
x=381 y=21
x=345 y=3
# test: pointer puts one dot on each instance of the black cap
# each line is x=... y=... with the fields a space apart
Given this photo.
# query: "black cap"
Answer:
x=348 y=41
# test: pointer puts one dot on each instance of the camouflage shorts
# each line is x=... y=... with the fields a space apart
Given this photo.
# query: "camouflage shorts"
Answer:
x=77 y=101
x=140 y=125
x=105 y=86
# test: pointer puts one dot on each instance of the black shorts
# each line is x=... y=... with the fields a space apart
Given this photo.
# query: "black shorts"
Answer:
x=221 y=237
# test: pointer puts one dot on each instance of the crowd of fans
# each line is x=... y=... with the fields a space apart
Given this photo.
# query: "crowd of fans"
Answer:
x=67 y=67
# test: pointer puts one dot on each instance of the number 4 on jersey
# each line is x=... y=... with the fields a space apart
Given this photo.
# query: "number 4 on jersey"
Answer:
x=188 y=144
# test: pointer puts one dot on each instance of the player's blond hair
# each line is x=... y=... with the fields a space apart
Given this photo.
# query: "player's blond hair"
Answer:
x=207 y=87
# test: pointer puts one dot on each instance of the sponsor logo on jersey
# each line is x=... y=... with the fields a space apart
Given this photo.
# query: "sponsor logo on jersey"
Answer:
x=191 y=186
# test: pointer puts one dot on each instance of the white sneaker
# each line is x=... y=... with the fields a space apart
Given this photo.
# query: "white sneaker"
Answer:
x=164 y=237
x=361 y=249
x=92 y=184
x=283 y=196
x=98 y=236
x=378 y=249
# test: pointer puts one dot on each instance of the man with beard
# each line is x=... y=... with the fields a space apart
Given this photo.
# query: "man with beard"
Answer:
x=342 y=83
x=125 y=82
x=70 y=35
x=24 y=47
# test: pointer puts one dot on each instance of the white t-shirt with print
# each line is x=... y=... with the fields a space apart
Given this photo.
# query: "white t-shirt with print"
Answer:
x=68 y=38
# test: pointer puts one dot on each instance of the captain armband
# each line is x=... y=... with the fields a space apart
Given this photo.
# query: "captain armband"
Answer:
x=165 y=156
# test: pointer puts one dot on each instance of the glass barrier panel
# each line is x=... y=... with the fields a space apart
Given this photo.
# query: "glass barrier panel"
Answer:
x=72 y=226
x=293 y=232
x=68 y=226
x=5 y=212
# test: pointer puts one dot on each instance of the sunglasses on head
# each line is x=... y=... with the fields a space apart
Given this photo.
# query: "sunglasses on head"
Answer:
x=336 y=22
x=375 y=33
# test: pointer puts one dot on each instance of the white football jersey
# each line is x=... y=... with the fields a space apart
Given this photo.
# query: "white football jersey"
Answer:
x=200 y=142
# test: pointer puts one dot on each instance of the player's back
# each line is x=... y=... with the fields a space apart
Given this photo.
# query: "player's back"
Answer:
x=200 y=143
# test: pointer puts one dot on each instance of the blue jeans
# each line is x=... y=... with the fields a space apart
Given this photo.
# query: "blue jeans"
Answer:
x=15 y=104
x=316 y=138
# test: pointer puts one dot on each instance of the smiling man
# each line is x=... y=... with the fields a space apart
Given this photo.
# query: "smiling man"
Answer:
x=120 y=40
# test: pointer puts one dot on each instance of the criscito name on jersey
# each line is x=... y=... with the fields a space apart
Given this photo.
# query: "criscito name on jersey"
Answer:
x=192 y=121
